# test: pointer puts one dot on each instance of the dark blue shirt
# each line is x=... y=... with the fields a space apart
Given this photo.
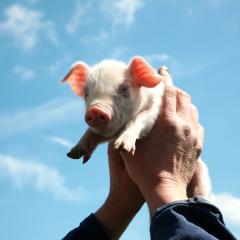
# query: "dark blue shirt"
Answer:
x=194 y=219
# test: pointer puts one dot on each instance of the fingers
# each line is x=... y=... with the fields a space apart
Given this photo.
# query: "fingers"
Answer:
x=169 y=103
x=189 y=113
x=163 y=71
x=184 y=104
x=200 y=184
x=200 y=139
x=178 y=101
x=194 y=113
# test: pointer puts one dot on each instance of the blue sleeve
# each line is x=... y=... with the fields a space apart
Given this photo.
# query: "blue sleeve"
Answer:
x=89 y=229
x=194 y=219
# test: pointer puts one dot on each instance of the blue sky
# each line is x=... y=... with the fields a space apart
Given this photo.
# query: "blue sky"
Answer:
x=42 y=193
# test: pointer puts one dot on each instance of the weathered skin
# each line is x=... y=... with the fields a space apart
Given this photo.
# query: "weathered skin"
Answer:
x=122 y=102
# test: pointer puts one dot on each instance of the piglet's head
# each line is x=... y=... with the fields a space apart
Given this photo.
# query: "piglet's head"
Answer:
x=77 y=78
x=111 y=90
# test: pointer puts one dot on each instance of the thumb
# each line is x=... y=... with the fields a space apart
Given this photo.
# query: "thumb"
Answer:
x=167 y=79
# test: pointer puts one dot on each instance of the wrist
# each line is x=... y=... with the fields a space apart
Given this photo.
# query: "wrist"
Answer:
x=163 y=192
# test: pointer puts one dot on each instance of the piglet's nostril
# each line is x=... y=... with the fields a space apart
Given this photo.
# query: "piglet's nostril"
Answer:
x=89 y=119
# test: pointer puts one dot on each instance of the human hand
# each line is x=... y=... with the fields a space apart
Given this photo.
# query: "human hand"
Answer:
x=124 y=199
x=200 y=184
x=164 y=161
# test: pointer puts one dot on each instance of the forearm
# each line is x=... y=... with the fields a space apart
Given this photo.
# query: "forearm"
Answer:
x=159 y=191
x=115 y=215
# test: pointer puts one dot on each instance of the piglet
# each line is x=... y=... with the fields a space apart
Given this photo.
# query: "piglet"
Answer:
x=122 y=102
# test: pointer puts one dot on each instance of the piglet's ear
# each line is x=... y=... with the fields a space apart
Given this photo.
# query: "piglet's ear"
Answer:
x=143 y=73
x=77 y=77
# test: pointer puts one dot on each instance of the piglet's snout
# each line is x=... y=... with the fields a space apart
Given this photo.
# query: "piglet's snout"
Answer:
x=97 y=117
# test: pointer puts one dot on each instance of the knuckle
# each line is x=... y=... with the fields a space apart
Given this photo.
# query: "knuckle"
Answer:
x=171 y=133
x=190 y=132
x=171 y=125
x=195 y=113
x=194 y=108
x=184 y=94
x=163 y=70
x=187 y=131
x=198 y=152
x=201 y=128
x=170 y=91
x=169 y=121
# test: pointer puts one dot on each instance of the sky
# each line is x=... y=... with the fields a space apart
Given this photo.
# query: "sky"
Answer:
x=43 y=194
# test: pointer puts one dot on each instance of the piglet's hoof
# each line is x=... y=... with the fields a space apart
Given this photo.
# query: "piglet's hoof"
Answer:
x=76 y=153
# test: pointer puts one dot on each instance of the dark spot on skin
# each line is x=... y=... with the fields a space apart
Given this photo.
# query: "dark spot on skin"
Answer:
x=187 y=131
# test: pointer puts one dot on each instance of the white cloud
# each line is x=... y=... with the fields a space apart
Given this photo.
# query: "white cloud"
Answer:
x=25 y=25
x=160 y=59
x=48 y=114
x=229 y=205
x=24 y=73
x=221 y=2
x=41 y=177
x=77 y=17
x=100 y=37
x=178 y=68
x=122 y=12
x=33 y=1
x=61 y=141
x=59 y=64
x=157 y=57
x=189 y=11
x=119 y=52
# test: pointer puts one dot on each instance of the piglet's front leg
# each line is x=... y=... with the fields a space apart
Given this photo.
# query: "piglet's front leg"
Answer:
x=135 y=129
x=86 y=146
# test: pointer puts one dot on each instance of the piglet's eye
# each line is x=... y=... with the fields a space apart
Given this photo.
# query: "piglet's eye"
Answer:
x=86 y=93
x=123 y=90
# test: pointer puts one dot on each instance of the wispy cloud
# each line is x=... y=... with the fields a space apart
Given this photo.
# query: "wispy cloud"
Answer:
x=189 y=11
x=24 y=73
x=24 y=25
x=160 y=59
x=122 y=12
x=178 y=68
x=41 y=177
x=99 y=37
x=48 y=114
x=59 y=64
x=229 y=205
x=152 y=58
x=33 y=1
x=77 y=17
x=61 y=141
x=221 y=2
x=119 y=53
